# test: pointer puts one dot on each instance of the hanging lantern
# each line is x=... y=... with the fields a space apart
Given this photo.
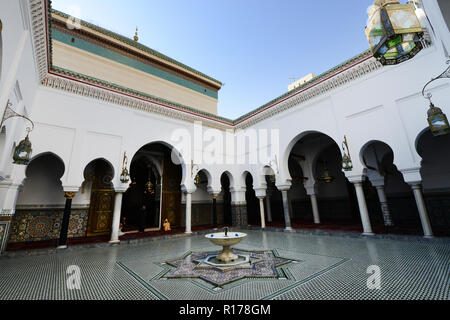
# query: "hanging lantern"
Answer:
x=347 y=163
x=149 y=187
x=272 y=178
x=438 y=121
x=326 y=178
x=393 y=31
x=125 y=175
x=22 y=153
x=197 y=180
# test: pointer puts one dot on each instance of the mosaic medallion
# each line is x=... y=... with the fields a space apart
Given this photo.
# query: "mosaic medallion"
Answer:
x=201 y=265
x=39 y=226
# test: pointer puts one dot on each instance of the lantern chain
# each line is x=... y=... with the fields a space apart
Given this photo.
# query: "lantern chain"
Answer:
x=444 y=75
x=10 y=113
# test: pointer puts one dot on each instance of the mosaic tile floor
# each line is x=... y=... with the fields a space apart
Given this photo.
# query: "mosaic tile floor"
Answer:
x=319 y=267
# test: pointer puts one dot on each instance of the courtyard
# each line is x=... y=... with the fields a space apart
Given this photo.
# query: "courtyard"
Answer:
x=308 y=267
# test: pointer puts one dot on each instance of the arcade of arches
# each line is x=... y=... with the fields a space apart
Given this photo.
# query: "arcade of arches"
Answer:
x=320 y=197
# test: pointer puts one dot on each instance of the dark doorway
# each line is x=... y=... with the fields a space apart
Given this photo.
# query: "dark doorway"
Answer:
x=227 y=217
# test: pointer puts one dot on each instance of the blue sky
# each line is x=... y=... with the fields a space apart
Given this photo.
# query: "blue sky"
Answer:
x=253 y=46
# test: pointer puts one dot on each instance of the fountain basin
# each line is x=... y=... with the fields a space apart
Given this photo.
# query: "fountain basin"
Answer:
x=226 y=240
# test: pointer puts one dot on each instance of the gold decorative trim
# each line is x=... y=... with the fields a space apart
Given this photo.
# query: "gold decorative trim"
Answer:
x=69 y=195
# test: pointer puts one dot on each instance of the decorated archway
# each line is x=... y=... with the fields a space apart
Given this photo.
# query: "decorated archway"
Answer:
x=154 y=194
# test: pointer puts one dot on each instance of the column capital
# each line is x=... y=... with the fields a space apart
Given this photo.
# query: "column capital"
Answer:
x=121 y=187
x=311 y=189
x=358 y=179
x=412 y=176
x=260 y=193
x=284 y=187
x=416 y=185
x=73 y=189
x=188 y=190
x=214 y=192
x=69 y=195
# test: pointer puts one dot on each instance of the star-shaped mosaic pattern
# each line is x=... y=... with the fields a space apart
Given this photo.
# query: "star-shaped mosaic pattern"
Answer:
x=262 y=264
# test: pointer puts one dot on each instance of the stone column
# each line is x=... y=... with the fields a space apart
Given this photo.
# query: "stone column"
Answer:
x=312 y=193
x=384 y=206
x=188 y=212
x=116 y=217
x=315 y=208
x=261 y=210
x=214 y=209
x=426 y=226
x=287 y=216
x=62 y=241
x=363 y=208
x=269 y=209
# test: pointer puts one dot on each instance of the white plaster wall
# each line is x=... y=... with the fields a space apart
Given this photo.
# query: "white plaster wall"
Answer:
x=18 y=78
x=385 y=105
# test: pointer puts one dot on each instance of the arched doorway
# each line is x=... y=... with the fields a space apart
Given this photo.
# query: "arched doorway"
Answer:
x=390 y=202
x=252 y=201
x=155 y=191
x=301 y=212
x=226 y=198
x=40 y=206
x=202 y=207
x=98 y=176
x=327 y=200
x=274 y=199
x=435 y=172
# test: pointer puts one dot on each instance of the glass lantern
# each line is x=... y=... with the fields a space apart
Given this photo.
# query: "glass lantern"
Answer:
x=124 y=176
x=393 y=32
x=22 y=153
x=438 y=121
x=347 y=164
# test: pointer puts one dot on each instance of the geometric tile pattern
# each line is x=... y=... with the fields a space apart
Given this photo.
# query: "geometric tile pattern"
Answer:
x=263 y=264
x=323 y=267
x=45 y=224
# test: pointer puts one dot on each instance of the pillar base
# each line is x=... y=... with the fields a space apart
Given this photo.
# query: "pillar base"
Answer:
x=188 y=232
x=61 y=247
x=288 y=229
x=428 y=237
x=114 y=241
x=368 y=234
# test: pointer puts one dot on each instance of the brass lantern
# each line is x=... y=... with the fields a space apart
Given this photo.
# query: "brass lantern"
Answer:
x=326 y=178
x=197 y=180
x=22 y=153
x=438 y=121
x=149 y=187
x=347 y=163
x=393 y=31
x=124 y=176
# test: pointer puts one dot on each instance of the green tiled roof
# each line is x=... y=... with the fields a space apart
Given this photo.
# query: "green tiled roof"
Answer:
x=317 y=79
x=137 y=45
x=138 y=94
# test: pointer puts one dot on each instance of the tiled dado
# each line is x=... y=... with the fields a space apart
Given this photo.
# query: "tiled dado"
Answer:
x=39 y=224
